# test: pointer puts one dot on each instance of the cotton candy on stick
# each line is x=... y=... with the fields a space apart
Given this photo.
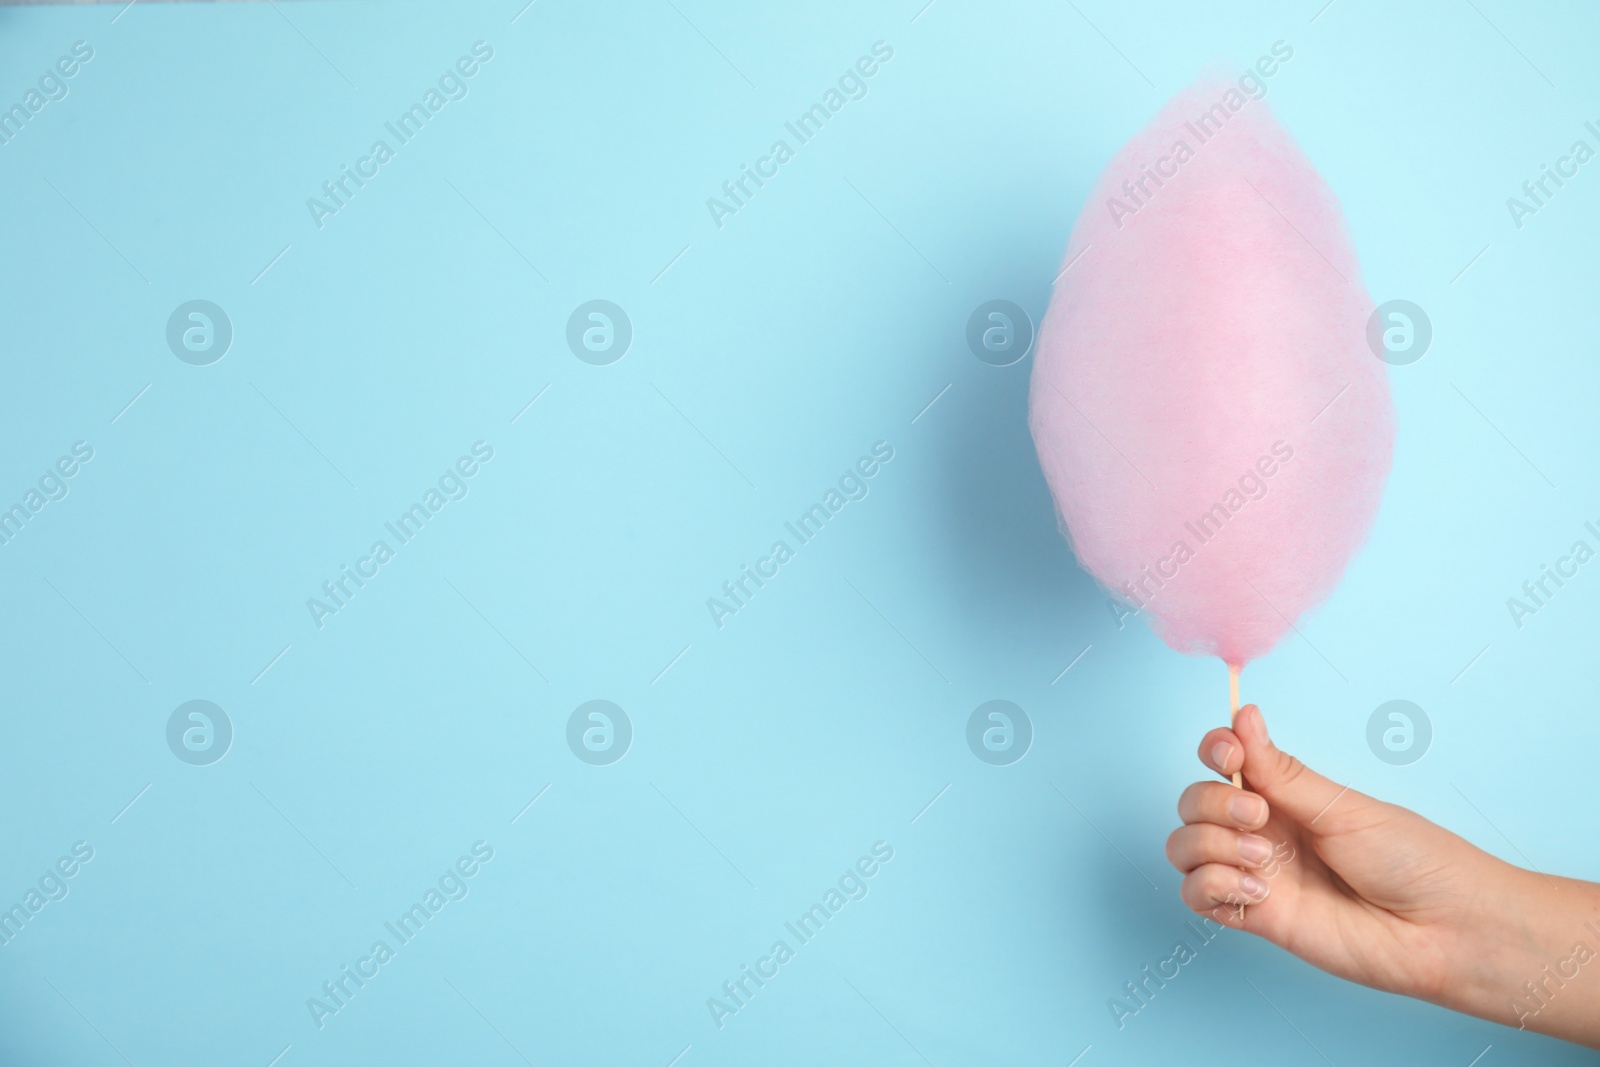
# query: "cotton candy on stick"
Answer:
x=1212 y=425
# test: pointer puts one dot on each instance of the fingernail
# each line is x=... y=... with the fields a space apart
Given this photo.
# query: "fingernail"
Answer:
x=1220 y=753
x=1246 y=810
x=1254 y=850
x=1253 y=887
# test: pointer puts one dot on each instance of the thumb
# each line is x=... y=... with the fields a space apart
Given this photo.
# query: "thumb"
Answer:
x=1290 y=787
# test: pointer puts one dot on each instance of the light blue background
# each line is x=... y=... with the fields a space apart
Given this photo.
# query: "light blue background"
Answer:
x=826 y=715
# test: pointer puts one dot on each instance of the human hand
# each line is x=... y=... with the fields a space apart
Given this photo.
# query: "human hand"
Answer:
x=1376 y=894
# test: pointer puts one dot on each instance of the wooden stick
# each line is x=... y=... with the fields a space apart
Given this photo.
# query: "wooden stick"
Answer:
x=1233 y=718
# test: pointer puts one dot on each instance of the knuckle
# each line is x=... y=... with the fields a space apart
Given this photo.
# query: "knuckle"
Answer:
x=1173 y=846
x=1192 y=847
x=1208 y=884
x=1288 y=769
x=1230 y=912
x=1189 y=801
x=1205 y=802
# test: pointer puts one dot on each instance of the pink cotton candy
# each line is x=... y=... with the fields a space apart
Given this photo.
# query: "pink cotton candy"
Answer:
x=1213 y=426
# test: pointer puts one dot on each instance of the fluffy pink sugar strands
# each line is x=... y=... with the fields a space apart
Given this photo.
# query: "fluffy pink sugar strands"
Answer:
x=1213 y=427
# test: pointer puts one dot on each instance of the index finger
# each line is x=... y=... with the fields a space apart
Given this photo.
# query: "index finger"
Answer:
x=1222 y=751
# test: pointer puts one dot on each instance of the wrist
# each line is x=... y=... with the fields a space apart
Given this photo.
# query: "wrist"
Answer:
x=1530 y=954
